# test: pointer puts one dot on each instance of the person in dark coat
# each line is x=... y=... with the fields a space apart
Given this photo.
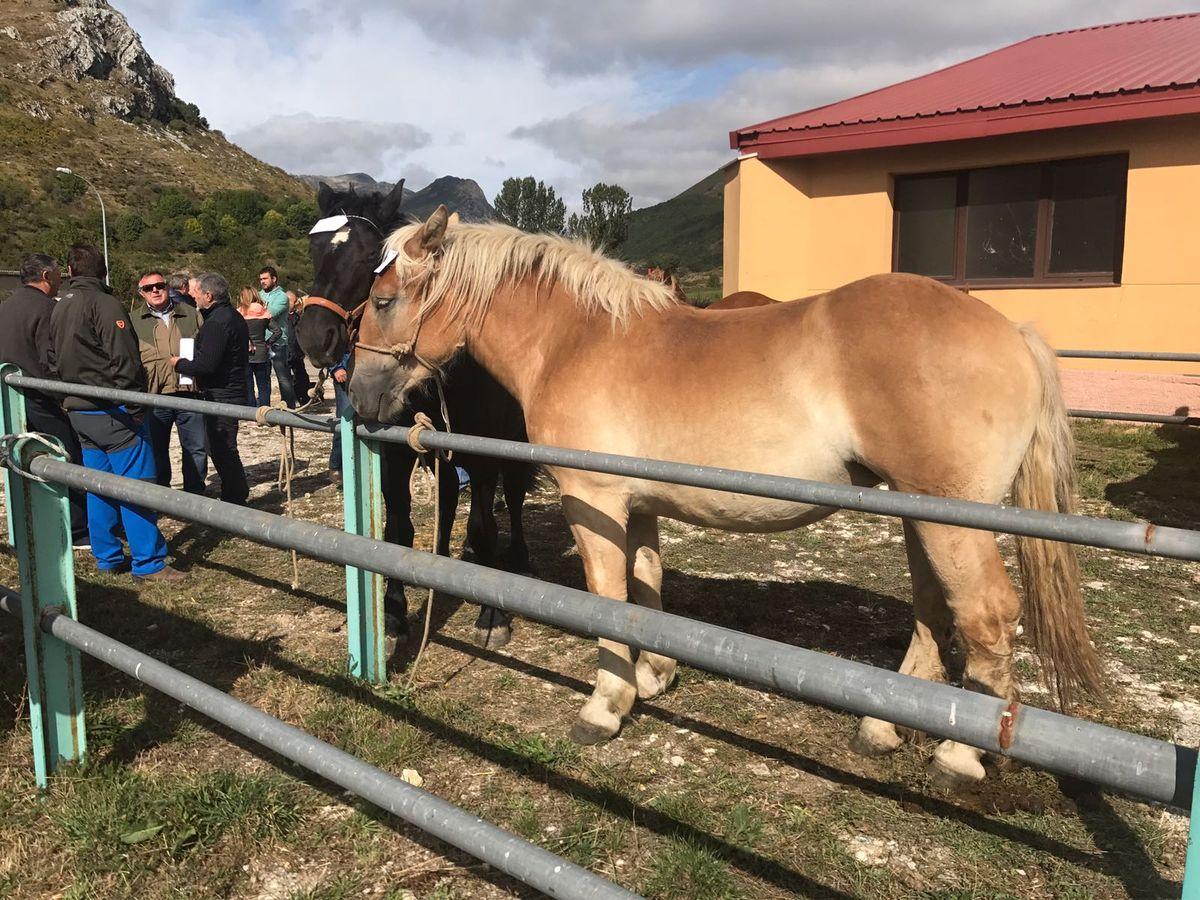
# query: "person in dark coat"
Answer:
x=220 y=363
x=301 y=383
x=92 y=342
x=25 y=342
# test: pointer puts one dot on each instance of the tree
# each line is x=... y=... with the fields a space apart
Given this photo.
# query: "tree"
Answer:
x=530 y=206
x=604 y=221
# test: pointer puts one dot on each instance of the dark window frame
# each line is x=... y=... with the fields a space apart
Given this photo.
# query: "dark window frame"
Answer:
x=1042 y=277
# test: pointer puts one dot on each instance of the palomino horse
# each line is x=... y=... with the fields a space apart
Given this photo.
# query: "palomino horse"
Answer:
x=895 y=379
x=344 y=260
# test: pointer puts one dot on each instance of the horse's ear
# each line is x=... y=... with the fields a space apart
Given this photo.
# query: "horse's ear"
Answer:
x=453 y=220
x=389 y=209
x=429 y=236
x=325 y=197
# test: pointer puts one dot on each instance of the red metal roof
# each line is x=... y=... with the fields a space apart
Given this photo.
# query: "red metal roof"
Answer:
x=1107 y=73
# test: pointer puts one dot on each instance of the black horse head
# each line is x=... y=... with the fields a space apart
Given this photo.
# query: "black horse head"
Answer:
x=344 y=260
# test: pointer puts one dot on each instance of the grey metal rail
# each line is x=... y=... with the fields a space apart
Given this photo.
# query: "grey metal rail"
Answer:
x=1175 y=543
x=167 y=401
x=1149 y=418
x=515 y=856
x=1146 y=355
x=1141 y=766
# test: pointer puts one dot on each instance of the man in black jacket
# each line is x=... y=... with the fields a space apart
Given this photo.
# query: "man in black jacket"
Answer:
x=25 y=342
x=220 y=361
x=92 y=342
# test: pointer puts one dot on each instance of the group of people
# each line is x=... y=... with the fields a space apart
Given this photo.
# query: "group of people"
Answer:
x=183 y=337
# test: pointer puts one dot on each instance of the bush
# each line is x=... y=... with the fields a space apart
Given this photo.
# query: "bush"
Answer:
x=300 y=216
x=64 y=188
x=273 y=225
x=172 y=205
x=128 y=228
x=13 y=194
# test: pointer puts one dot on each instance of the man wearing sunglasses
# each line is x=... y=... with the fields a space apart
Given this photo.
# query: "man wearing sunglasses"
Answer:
x=160 y=322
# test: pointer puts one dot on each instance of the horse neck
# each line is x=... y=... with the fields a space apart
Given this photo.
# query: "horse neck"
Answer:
x=528 y=330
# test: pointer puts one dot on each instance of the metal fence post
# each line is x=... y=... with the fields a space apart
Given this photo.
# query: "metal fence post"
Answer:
x=40 y=530
x=1191 y=869
x=362 y=496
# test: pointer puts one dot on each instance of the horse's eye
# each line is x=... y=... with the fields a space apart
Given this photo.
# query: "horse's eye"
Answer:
x=381 y=302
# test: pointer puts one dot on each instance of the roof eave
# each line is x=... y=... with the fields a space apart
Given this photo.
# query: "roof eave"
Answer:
x=967 y=125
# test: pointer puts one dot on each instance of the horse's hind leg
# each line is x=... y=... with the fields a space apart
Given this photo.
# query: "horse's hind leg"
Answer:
x=985 y=610
x=654 y=671
x=493 y=627
x=930 y=639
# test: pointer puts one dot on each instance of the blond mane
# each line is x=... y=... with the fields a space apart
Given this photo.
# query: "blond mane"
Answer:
x=476 y=260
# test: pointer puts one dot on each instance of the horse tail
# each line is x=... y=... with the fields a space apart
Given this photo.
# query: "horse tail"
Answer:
x=1054 y=615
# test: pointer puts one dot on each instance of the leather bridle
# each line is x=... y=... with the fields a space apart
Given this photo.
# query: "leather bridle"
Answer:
x=350 y=319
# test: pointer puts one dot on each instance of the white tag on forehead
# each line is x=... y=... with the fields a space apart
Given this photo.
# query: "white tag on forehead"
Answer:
x=388 y=259
x=333 y=223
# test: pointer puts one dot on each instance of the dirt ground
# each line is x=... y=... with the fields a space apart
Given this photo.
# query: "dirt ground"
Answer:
x=1132 y=392
x=716 y=789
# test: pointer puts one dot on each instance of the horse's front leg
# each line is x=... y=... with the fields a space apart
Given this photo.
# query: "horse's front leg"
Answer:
x=398 y=527
x=599 y=527
x=493 y=627
x=517 y=483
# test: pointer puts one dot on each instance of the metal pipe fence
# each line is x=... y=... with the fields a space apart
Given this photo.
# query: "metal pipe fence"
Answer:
x=1144 y=355
x=1141 y=766
x=1176 y=543
x=527 y=862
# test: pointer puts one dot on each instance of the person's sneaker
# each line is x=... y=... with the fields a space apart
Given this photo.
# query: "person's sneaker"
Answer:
x=165 y=574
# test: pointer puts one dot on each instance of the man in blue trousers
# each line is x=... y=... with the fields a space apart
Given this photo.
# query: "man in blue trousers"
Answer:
x=92 y=342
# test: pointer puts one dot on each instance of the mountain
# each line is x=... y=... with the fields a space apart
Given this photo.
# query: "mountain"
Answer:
x=461 y=195
x=685 y=231
x=360 y=181
x=78 y=89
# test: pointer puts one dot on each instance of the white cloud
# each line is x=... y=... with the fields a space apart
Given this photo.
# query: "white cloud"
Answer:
x=328 y=145
x=641 y=92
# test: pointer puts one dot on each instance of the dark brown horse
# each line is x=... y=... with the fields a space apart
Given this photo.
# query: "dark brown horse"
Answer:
x=345 y=253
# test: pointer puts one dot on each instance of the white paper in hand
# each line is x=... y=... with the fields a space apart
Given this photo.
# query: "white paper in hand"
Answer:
x=187 y=346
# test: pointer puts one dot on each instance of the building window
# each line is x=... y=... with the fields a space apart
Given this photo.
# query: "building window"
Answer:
x=1043 y=224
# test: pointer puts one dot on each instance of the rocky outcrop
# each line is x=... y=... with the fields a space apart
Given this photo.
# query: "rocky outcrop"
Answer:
x=91 y=40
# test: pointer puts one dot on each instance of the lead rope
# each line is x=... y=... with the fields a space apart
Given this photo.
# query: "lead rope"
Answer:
x=287 y=452
x=421 y=422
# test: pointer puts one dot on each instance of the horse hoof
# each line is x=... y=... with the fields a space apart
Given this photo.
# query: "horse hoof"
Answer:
x=650 y=684
x=493 y=638
x=395 y=626
x=955 y=767
x=586 y=733
x=875 y=738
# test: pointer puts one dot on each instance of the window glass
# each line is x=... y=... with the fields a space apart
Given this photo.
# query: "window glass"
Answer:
x=925 y=207
x=1085 y=197
x=1002 y=222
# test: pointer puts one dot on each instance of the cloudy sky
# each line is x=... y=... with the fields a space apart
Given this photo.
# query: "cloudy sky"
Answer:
x=640 y=93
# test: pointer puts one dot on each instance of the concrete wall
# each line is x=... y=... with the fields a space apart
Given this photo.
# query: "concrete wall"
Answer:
x=801 y=226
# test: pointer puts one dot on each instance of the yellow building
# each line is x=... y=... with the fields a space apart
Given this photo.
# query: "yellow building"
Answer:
x=1057 y=179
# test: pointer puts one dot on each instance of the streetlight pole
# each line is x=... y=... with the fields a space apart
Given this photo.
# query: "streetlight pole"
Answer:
x=103 y=217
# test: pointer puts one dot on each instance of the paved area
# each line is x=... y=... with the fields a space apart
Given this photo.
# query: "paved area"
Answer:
x=1132 y=392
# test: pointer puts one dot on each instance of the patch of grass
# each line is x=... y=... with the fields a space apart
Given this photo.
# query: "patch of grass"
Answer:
x=683 y=869
x=743 y=825
x=551 y=752
x=116 y=821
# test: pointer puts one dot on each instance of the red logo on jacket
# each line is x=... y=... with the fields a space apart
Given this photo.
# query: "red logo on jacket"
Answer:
x=120 y=323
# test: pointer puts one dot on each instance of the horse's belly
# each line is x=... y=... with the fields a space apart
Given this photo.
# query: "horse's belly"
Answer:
x=731 y=512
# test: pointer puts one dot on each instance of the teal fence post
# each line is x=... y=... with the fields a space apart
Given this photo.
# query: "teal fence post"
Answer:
x=40 y=530
x=1191 y=869
x=362 y=497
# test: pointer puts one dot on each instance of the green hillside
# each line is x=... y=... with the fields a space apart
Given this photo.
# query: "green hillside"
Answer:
x=77 y=89
x=684 y=232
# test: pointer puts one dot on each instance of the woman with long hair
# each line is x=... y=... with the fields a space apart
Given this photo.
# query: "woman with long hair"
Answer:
x=254 y=311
